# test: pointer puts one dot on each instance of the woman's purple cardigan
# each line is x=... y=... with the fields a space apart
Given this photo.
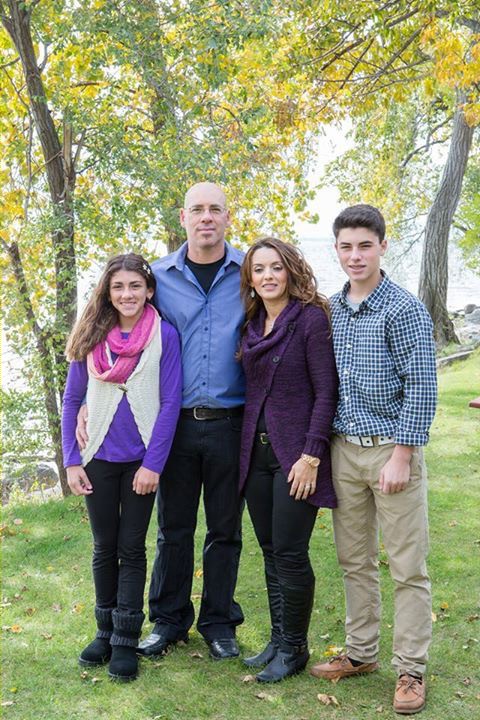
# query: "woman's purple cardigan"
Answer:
x=291 y=373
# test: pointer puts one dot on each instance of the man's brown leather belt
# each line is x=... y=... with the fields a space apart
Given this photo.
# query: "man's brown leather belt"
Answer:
x=206 y=413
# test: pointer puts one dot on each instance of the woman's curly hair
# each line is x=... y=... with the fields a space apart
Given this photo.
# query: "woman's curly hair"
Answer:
x=301 y=283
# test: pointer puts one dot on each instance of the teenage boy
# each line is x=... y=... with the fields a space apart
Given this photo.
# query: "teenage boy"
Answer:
x=386 y=364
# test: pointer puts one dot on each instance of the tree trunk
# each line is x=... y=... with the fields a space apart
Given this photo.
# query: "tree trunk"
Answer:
x=60 y=173
x=433 y=283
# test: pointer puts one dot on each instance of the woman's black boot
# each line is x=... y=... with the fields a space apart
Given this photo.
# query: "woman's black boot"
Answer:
x=275 y=606
x=126 y=632
x=99 y=651
x=292 y=655
x=289 y=660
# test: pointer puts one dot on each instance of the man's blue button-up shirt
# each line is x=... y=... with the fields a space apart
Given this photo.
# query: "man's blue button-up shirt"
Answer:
x=385 y=358
x=209 y=327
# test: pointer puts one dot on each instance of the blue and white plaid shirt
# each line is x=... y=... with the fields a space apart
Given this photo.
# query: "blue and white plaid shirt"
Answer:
x=385 y=357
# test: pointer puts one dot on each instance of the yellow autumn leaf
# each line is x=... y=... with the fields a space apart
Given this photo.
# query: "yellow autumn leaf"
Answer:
x=327 y=699
x=444 y=606
x=16 y=628
x=78 y=608
x=198 y=573
x=332 y=650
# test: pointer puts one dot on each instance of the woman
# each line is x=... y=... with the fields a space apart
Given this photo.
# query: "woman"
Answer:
x=126 y=361
x=287 y=355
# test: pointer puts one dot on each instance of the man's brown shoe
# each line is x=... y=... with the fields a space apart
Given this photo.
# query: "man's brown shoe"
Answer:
x=339 y=667
x=409 y=695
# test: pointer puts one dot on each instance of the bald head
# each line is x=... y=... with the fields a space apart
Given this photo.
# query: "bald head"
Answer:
x=200 y=190
x=205 y=218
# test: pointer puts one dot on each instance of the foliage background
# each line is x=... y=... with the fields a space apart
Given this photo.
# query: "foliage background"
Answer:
x=110 y=110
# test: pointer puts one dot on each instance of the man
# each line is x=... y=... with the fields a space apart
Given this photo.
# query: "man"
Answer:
x=386 y=364
x=198 y=292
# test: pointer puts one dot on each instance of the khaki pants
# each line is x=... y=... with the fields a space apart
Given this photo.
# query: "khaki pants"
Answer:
x=402 y=518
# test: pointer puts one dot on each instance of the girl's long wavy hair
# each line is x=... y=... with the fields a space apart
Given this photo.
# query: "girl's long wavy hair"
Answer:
x=301 y=283
x=99 y=315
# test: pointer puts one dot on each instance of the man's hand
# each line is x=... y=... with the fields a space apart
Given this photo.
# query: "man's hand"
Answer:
x=81 y=429
x=395 y=474
x=145 y=481
x=78 y=481
x=303 y=478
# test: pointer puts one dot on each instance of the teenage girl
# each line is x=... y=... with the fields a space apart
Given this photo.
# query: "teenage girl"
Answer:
x=126 y=361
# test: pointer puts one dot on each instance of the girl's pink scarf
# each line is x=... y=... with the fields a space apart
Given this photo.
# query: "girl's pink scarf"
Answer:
x=128 y=349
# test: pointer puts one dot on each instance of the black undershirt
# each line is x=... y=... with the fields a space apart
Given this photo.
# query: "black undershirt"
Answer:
x=205 y=272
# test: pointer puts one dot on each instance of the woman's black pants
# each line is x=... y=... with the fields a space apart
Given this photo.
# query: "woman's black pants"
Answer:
x=283 y=527
x=119 y=520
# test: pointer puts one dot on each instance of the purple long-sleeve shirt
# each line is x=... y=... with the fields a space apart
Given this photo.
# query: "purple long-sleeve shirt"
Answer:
x=123 y=442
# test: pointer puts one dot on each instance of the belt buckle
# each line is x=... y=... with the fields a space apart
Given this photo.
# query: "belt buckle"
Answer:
x=264 y=438
x=369 y=441
x=195 y=413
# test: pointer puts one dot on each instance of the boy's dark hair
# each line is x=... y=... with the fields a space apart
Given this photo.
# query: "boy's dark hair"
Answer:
x=365 y=216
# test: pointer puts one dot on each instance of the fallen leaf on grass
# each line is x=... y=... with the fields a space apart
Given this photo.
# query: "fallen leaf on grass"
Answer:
x=18 y=521
x=196 y=654
x=30 y=611
x=264 y=696
x=196 y=596
x=459 y=694
x=5 y=604
x=467 y=681
x=379 y=709
x=78 y=608
x=56 y=607
x=472 y=618
x=96 y=680
x=248 y=678
x=13 y=690
x=434 y=616
x=453 y=523
x=328 y=699
x=84 y=675
x=444 y=606
x=5 y=531
x=16 y=628
x=67 y=537
x=198 y=573
x=333 y=650
x=325 y=637
x=7 y=703
x=47 y=636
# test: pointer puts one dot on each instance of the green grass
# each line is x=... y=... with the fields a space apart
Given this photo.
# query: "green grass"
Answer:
x=47 y=593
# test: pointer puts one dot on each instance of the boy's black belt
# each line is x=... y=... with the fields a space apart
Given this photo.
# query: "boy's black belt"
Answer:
x=206 y=413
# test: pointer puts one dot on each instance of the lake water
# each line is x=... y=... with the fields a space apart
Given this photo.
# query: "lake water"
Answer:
x=463 y=285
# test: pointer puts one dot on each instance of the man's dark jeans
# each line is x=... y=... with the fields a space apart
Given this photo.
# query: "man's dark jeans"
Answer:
x=204 y=453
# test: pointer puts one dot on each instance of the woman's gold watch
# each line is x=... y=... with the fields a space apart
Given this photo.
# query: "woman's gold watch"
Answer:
x=310 y=460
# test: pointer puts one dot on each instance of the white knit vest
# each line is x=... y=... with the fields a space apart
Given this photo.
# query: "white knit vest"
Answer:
x=143 y=394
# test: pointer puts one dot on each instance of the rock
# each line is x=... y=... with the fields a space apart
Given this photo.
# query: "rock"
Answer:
x=470 y=308
x=28 y=478
x=473 y=317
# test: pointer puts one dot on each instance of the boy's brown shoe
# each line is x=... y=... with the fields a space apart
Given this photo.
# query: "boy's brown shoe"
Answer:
x=339 y=667
x=409 y=695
